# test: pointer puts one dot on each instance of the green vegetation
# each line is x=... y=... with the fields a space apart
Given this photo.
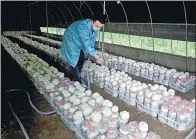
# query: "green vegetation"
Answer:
x=162 y=45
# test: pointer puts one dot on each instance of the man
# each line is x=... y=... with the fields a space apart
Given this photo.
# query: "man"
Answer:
x=79 y=38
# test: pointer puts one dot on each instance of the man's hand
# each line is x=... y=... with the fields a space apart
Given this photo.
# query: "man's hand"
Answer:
x=98 y=60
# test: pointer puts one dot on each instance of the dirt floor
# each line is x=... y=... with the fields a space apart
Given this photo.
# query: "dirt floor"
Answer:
x=50 y=126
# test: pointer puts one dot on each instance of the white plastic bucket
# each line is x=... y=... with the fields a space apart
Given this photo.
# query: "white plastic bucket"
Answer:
x=161 y=76
x=147 y=102
x=122 y=91
x=181 y=117
x=172 y=116
x=133 y=93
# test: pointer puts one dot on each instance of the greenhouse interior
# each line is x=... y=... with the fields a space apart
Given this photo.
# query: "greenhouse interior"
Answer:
x=133 y=77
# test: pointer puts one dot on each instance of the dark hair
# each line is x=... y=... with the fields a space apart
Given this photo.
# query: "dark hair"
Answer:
x=101 y=18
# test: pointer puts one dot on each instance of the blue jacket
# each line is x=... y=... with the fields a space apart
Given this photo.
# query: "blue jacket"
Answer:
x=78 y=36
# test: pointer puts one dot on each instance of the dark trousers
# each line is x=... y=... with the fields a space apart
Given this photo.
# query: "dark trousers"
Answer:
x=76 y=72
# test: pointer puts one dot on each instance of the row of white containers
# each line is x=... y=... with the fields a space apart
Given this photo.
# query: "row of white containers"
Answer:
x=151 y=110
x=44 y=39
x=148 y=98
x=180 y=81
x=87 y=113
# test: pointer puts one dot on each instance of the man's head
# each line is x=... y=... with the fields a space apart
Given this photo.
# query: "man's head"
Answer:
x=96 y=24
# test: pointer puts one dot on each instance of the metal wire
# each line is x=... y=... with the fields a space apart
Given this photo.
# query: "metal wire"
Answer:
x=30 y=14
x=60 y=11
x=56 y=15
x=127 y=22
x=99 y=40
x=81 y=3
x=21 y=23
x=30 y=4
x=68 y=10
x=151 y=29
x=102 y=48
x=185 y=16
x=108 y=23
x=47 y=19
x=104 y=8
x=89 y=8
x=30 y=20
x=78 y=10
x=52 y=18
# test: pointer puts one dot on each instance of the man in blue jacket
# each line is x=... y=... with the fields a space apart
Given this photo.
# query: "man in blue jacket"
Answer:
x=79 y=39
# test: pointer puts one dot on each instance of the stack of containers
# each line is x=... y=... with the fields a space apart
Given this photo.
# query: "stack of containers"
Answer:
x=177 y=113
x=152 y=72
x=179 y=79
x=135 y=129
x=186 y=84
x=182 y=81
x=148 y=98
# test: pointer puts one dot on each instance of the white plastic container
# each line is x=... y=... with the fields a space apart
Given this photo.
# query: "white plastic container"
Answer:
x=115 y=89
x=147 y=101
x=115 y=113
x=95 y=75
x=144 y=87
x=132 y=126
x=126 y=66
x=85 y=126
x=91 y=74
x=191 y=108
x=65 y=109
x=103 y=127
x=107 y=82
x=123 y=118
x=137 y=71
x=172 y=116
x=162 y=75
x=134 y=135
x=164 y=112
x=133 y=92
x=181 y=117
x=146 y=71
x=101 y=80
x=143 y=129
x=111 y=81
x=152 y=135
x=140 y=99
x=115 y=64
x=128 y=88
x=130 y=67
x=143 y=70
x=111 y=133
x=60 y=102
x=122 y=88
x=132 y=96
x=188 y=115
x=92 y=133
x=150 y=73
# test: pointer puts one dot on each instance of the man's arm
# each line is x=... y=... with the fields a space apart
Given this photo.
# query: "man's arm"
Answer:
x=87 y=42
